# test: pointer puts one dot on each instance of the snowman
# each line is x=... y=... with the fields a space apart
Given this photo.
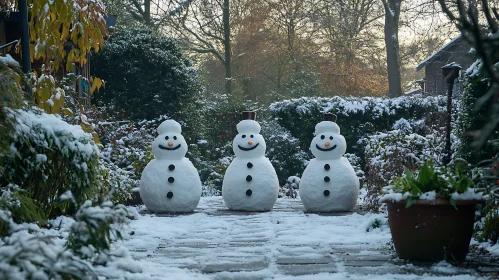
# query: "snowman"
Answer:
x=329 y=182
x=169 y=182
x=250 y=182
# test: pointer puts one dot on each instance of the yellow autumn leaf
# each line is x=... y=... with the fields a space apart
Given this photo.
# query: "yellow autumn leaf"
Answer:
x=67 y=112
x=96 y=84
x=96 y=137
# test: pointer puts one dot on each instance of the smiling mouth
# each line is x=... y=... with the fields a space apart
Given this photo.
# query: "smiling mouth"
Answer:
x=248 y=149
x=325 y=150
x=169 y=149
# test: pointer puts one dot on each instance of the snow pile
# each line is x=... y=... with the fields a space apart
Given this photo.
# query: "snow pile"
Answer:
x=9 y=61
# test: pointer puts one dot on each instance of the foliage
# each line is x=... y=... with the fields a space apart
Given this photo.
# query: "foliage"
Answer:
x=283 y=151
x=49 y=157
x=408 y=145
x=432 y=181
x=11 y=95
x=146 y=76
x=62 y=33
x=289 y=188
x=488 y=174
x=357 y=117
x=92 y=232
x=475 y=85
x=28 y=252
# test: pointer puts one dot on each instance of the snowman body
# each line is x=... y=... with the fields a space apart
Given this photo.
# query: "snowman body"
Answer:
x=170 y=183
x=329 y=183
x=250 y=182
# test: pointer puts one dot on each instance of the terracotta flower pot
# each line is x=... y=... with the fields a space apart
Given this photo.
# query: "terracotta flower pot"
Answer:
x=432 y=230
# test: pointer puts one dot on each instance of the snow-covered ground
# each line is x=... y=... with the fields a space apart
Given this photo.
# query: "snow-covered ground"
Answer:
x=215 y=243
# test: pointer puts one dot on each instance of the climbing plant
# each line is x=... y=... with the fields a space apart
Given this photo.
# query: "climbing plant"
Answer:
x=62 y=34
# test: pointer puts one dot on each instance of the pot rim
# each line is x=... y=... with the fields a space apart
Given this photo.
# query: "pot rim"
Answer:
x=439 y=201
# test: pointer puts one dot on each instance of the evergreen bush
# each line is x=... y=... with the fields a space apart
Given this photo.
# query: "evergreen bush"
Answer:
x=470 y=120
x=146 y=76
x=47 y=158
x=357 y=117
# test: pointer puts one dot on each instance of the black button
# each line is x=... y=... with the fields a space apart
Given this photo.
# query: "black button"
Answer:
x=327 y=167
x=249 y=165
x=169 y=195
x=171 y=167
x=249 y=178
x=171 y=179
x=326 y=193
x=249 y=192
x=327 y=179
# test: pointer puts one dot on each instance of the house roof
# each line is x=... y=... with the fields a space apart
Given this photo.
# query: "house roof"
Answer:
x=439 y=52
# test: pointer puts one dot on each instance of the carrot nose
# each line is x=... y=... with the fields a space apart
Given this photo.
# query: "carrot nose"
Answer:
x=327 y=144
x=250 y=142
x=170 y=144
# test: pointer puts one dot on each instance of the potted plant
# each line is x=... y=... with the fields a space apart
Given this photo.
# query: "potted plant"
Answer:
x=431 y=212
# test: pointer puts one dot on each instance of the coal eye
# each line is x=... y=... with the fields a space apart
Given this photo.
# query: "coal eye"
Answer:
x=244 y=136
x=175 y=138
x=330 y=137
x=251 y=135
x=166 y=138
x=322 y=137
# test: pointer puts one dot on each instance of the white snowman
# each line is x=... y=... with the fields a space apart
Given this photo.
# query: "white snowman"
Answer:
x=250 y=182
x=169 y=182
x=329 y=183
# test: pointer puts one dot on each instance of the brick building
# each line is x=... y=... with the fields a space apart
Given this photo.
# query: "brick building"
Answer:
x=458 y=51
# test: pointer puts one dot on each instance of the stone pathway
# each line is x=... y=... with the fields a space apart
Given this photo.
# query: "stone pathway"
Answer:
x=227 y=244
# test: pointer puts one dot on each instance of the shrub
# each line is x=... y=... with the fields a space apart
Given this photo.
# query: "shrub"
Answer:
x=475 y=85
x=49 y=157
x=289 y=188
x=283 y=151
x=146 y=76
x=357 y=117
x=388 y=154
x=28 y=252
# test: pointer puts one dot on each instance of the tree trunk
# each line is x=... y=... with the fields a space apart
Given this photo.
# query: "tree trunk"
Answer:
x=392 y=14
x=147 y=12
x=226 y=23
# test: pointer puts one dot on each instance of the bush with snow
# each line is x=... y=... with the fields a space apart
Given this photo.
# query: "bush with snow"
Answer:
x=48 y=157
x=389 y=153
x=30 y=252
x=357 y=117
x=146 y=76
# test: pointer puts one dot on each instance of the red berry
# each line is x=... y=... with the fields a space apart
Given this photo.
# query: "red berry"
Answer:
x=497 y=182
x=222 y=136
x=495 y=166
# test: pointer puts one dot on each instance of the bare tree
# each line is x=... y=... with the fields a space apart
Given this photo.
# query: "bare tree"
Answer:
x=205 y=27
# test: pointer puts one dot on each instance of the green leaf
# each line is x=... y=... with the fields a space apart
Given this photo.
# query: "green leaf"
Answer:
x=411 y=201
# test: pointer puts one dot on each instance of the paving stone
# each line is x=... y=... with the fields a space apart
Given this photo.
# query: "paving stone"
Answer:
x=489 y=269
x=365 y=263
x=232 y=267
x=373 y=257
x=307 y=269
x=378 y=270
x=289 y=260
x=345 y=250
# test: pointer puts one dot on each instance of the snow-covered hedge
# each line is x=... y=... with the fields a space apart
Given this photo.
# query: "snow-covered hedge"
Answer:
x=357 y=117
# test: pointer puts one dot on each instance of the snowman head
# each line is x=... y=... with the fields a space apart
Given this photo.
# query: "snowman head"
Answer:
x=169 y=144
x=248 y=143
x=328 y=143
